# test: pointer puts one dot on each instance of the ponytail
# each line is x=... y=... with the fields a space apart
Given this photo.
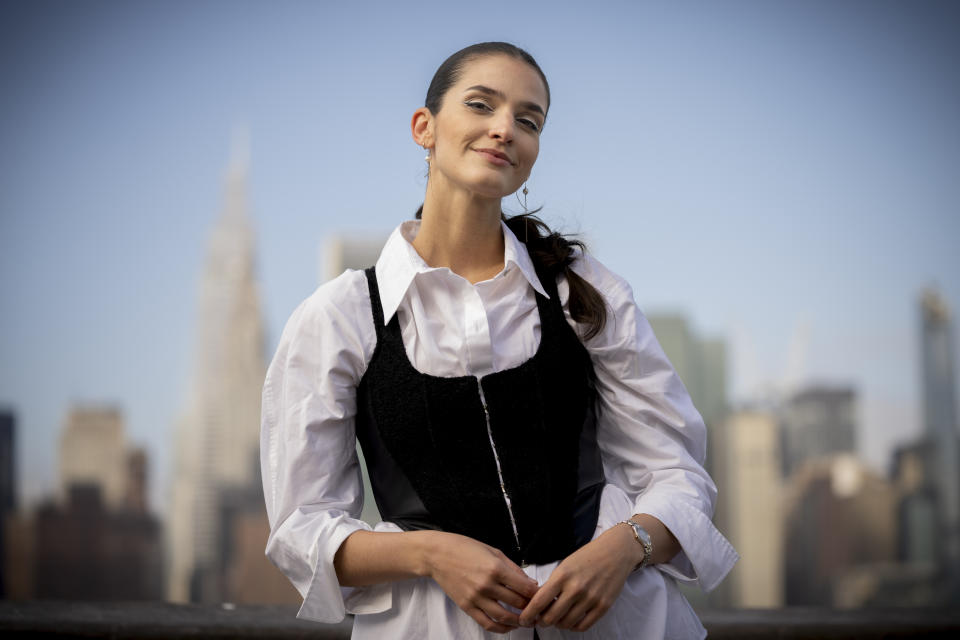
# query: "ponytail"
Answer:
x=552 y=254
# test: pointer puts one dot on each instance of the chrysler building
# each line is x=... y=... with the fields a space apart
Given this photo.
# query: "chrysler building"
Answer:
x=217 y=435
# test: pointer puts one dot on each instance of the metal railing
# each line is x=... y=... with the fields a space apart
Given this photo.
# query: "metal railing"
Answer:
x=163 y=621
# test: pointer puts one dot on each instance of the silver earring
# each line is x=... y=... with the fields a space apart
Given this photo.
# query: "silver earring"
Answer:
x=426 y=157
x=523 y=202
x=526 y=211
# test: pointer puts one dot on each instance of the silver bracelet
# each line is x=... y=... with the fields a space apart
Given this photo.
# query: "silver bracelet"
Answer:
x=644 y=539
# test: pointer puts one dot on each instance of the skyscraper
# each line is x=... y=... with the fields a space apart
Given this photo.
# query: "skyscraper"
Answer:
x=817 y=421
x=93 y=451
x=927 y=474
x=940 y=422
x=752 y=508
x=218 y=434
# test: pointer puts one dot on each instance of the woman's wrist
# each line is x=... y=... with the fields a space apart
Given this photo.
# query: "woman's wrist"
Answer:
x=424 y=546
x=643 y=540
x=371 y=557
x=631 y=552
x=665 y=544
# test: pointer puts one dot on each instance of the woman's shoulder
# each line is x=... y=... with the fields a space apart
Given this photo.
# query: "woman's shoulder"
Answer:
x=610 y=284
x=340 y=305
x=349 y=289
x=625 y=323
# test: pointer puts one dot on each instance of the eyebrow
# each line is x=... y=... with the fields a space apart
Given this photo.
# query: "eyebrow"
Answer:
x=532 y=106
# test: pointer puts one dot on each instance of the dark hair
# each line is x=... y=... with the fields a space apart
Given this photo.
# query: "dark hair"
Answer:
x=448 y=73
x=552 y=253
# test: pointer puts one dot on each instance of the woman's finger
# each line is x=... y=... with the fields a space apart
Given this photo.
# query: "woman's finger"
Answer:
x=484 y=621
x=492 y=617
x=496 y=612
x=575 y=614
x=539 y=602
x=514 y=578
x=551 y=615
x=508 y=596
x=588 y=620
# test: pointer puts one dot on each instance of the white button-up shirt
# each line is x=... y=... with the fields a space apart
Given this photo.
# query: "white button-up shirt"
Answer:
x=651 y=438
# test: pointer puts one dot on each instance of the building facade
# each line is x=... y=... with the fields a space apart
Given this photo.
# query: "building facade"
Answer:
x=927 y=471
x=815 y=422
x=752 y=507
x=940 y=425
x=87 y=551
x=93 y=451
x=217 y=439
x=839 y=523
x=97 y=540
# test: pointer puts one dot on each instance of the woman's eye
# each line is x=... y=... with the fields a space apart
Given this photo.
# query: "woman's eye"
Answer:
x=477 y=105
x=530 y=124
x=480 y=105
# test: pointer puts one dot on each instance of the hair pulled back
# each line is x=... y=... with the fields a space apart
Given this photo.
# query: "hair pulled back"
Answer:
x=552 y=253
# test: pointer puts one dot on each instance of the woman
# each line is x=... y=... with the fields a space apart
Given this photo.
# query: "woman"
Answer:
x=536 y=460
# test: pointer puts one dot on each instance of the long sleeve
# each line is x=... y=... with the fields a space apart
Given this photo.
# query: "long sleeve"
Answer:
x=652 y=439
x=311 y=476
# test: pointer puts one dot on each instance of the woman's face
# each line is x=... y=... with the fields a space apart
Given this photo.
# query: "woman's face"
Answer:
x=486 y=135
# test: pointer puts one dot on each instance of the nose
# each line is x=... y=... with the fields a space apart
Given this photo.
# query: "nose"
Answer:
x=503 y=127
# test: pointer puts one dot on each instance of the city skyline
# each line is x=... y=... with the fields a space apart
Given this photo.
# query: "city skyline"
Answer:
x=788 y=185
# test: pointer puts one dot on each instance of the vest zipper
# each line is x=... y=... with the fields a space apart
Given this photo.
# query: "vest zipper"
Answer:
x=496 y=458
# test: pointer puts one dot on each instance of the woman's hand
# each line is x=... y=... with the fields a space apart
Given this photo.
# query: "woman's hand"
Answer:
x=478 y=577
x=586 y=584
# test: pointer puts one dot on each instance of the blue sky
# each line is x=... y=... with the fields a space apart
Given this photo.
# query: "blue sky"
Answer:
x=774 y=170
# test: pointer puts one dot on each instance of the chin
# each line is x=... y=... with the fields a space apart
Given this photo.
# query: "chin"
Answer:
x=493 y=191
x=489 y=184
x=495 y=195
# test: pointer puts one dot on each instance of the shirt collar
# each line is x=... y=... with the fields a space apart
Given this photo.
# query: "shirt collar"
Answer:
x=516 y=252
x=399 y=264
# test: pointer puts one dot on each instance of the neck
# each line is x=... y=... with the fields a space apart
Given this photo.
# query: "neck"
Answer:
x=461 y=231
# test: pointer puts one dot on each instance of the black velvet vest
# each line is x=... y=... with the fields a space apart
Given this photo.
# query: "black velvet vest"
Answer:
x=431 y=460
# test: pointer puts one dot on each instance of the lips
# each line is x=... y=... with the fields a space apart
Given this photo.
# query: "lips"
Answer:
x=494 y=156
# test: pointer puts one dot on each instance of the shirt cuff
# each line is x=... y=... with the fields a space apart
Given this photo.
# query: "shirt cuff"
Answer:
x=325 y=600
x=375 y=598
x=706 y=556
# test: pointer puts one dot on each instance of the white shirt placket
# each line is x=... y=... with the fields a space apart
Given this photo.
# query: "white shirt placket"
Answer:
x=476 y=330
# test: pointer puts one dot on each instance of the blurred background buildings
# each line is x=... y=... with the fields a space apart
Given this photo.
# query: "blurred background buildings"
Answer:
x=816 y=526
x=776 y=178
x=96 y=539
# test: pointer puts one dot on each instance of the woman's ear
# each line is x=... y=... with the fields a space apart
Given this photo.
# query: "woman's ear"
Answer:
x=421 y=126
